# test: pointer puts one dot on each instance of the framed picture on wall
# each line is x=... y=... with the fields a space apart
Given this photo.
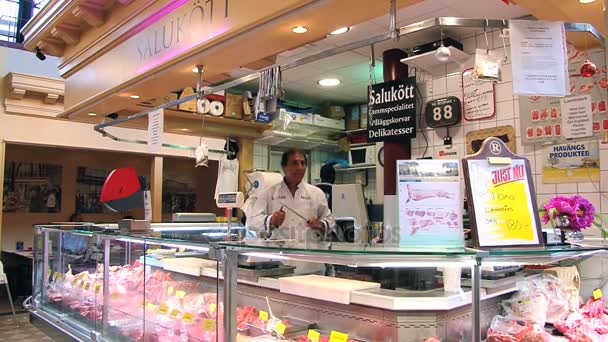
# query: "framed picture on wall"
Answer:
x=32 y=187
x=179 y=196
x=89 y=182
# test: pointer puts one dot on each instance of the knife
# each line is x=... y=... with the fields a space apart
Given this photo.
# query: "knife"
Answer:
x=293 y=211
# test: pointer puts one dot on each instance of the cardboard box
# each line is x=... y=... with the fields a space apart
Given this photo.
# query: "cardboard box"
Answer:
x=353 y=118
x=165 y=99
x=334 y=112
x=363 y=109
x=305 y=118
x=234 y=106
x=322 y=121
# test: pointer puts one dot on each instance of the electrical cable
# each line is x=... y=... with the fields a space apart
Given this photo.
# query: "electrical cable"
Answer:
x=419 y=115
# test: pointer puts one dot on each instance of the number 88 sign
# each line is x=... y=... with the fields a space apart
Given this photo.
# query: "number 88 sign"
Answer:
x=442 y=112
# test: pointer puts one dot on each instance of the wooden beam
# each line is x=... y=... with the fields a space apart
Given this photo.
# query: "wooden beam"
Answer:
x=245 y=158
x=70 y=34
x=17 y=93
x=89 y=14
x=156 y=189
x=2 y=153
x=51 y=99
x=51 y=46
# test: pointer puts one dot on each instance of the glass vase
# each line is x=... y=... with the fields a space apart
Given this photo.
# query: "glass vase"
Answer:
x=562 y=223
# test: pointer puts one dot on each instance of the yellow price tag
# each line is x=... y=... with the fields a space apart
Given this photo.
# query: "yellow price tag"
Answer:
x=175 y=313
x=280 y=328
x=182 y=250
x=314 y=335
x=597 y=294
x=338 y=337
x=55 y=276
x=150 y=307
x=180 y=294
x=97 y=288
x=212 y=308
x=87 y=286
x=81 y=283
x=114 y=296
x=208 y=325
x=170 y=290
x=188 y=318
x=263 y=315
x=163 y=309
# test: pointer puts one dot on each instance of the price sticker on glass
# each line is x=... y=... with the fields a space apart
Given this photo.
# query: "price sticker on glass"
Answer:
x=338 y=337
x=314 y=335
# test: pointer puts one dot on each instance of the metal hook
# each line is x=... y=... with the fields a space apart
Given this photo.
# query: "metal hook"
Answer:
x=485 y=33
x=504 y=44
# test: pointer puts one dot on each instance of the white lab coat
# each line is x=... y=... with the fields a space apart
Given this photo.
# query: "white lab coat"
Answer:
x=309 y=201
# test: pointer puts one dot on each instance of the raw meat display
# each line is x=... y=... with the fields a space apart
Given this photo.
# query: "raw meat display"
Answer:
x=537 y=336
x=590 y=323
x=431 y=339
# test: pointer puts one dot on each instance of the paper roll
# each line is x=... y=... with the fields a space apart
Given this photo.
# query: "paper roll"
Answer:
x=217 y=108
x=452 y=279
x=203 y=106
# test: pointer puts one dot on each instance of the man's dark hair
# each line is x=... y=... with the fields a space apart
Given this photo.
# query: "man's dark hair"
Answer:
x=287 y=154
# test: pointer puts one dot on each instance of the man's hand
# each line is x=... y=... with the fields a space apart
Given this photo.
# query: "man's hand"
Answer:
x=316 y=224
x=277 y=218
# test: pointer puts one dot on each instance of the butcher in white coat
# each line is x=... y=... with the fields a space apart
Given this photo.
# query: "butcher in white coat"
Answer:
x=292 y=209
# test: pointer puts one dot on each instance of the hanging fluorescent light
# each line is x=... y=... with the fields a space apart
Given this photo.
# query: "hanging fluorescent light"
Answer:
x=341 y=30
x=92 y=114
x=134 y=96
x=329 y=82
x=586 y=1
x=299 y=29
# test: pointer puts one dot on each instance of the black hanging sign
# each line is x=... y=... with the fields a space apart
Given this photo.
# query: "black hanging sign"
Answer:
x=392 y=111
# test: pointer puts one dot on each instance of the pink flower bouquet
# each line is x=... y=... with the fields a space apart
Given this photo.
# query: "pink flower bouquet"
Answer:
x=579 y=211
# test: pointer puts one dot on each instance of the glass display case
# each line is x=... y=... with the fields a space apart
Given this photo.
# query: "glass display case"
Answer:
x=371 y=310
x=92 y=283
x=96 y=284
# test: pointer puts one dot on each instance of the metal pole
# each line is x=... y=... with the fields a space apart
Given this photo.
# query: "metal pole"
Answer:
x=59 y=264
x=106 y=283
x=45 y=265
x=476 y=300
x=231 y=258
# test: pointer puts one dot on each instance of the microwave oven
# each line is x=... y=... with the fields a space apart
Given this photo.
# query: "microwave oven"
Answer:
x=362 y=156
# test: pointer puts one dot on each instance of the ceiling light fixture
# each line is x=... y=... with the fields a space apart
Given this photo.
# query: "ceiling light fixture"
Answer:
x=134 y=96
x=299 y=29
x=184 y=129
x=586 y=1
x=39 y=54
x=329 y=82
x=92 y=114
x=341 y=30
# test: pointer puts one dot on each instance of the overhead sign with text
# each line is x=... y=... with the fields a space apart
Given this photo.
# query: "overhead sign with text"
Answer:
x=392 y=111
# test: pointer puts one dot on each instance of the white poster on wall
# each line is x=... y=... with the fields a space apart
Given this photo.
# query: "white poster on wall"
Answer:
x=539 y=58
x=577 y=117
x=155 y=130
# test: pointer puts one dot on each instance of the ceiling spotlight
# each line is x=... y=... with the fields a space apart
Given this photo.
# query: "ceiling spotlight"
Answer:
x=586 y=1
x=184 y=129
x=112 y=116
x=299 y=29
x=340 y=31
x=134 y=96
x=195 y=69
x=39 y=54
x=92 y=114
x=329 y=82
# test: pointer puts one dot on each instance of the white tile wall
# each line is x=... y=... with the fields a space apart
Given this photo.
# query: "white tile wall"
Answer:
x=507 y=113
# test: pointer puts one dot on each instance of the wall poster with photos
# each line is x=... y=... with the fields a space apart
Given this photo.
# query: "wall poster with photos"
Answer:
x=179 y=196
x=89 y=182
x=32 y=187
